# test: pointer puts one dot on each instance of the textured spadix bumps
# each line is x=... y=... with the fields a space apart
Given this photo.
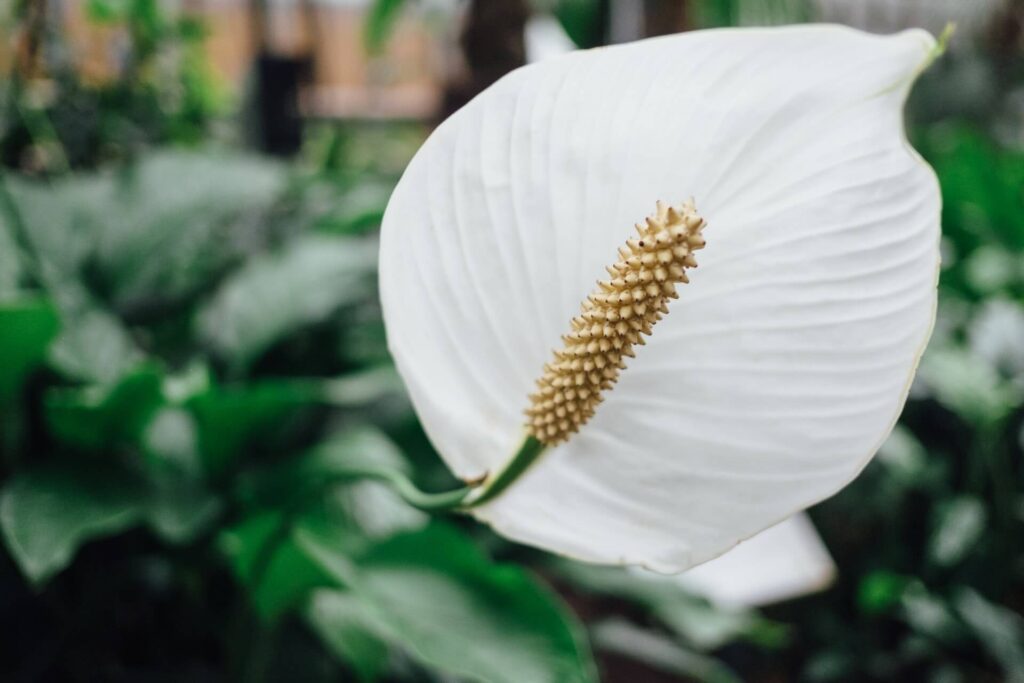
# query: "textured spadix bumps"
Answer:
x=613 y=319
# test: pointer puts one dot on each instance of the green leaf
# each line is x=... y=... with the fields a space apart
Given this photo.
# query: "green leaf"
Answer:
x=179 y=509
x=904 y=456
x=230 y=418
x=370 y=509
x=432 y=592
x=991 y=269
x=153 y=231
x=94 y=345
x=968 y=385
x=981 y=183
x=181 y=219
x=46 y=514
x=11 y=269
x=958 y=526
x=363 y=387
x=348 y=629
x=26 y=328
x=106 y=11
x=62 y=221
x=881 y=591
x=582 y=21
x=701 y=624
x=380 y=23
x=171 y=442
x=1000 y=630
x=302 y=495
x=101 y=416
x=928 y=614
x=275 y=295
x=339 y=453
x=656 y=650
x=266 y=558
x=62 y=217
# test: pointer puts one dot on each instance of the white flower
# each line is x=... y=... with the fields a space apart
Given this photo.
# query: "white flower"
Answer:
x=784 y=362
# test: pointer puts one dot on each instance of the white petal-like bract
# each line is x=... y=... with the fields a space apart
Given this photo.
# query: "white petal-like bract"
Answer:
x=786 y=360
x=787 y=561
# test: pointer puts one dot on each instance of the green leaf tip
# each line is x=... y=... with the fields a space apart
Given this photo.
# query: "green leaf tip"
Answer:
x=941 y=44
x=944 y=38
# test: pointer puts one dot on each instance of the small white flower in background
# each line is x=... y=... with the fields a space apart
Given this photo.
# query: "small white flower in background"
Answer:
x=784 y=362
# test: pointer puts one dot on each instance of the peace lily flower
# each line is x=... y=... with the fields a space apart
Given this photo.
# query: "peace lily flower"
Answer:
x=614 y=422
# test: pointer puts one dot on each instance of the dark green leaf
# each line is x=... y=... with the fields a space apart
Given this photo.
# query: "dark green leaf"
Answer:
x=308 y=497
x=26 y=328
x=230 y=418
x=46 y=514
x=433 y=593
x=582 y=21
x=267 y=560
x=101 y=416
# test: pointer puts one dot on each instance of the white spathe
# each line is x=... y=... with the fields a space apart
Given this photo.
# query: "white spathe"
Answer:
x=784 y=363
x=787 y=561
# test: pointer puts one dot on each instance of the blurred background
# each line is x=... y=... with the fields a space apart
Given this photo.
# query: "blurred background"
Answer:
x=191 y=350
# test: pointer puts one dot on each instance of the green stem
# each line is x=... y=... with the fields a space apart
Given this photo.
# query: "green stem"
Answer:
x=459 y=499
x=529 y=451
x=428 y=502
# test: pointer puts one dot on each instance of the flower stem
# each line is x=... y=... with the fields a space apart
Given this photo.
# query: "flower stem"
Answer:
x=421 y=500
x=459 y=499
x=529 y=451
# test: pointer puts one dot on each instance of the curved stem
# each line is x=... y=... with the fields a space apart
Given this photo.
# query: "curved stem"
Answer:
x=428 y=502
x=459 y=499
x=529 y=451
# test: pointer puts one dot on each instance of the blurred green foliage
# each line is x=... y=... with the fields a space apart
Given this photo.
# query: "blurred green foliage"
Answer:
x=193 y=359
x=160 y=90
x=151 y=320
